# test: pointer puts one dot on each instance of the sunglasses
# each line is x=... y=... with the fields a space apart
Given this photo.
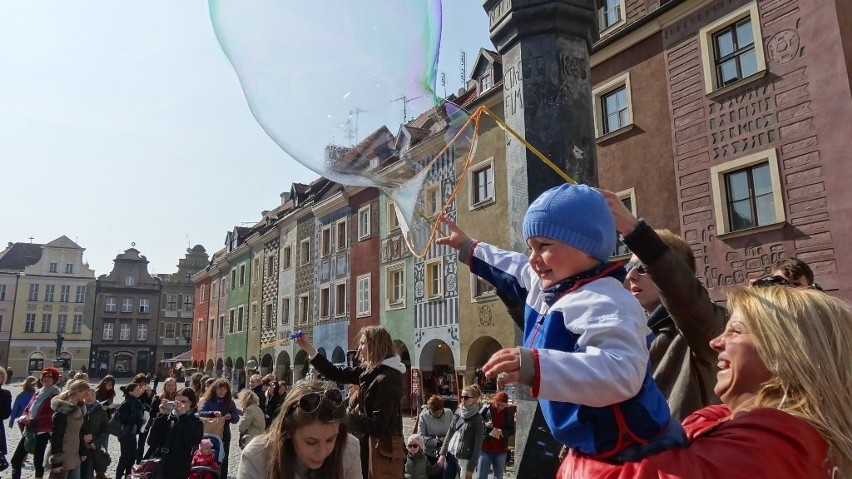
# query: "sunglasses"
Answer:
x=413 y=446
x=638 y=266
x=468 y=397
x=310 y=403
x=776 y=280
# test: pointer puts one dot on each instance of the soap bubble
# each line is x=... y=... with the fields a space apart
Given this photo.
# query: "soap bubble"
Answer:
x=347 y=88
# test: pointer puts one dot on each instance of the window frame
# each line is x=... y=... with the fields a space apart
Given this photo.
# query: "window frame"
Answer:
x=285 y=311
x=303 y=309
x=49 y=293
x=80 y=294
x=126 y=305
x=108 y=331
x=325 y=302
x=140 y=328
x=622 y=195
x=338 y=287
x=601 y=14
x=433 y=200
x=46 y=322
x=718 y=174
x=124 y=327
x=706 y=37
x=325 y=241
x=393 y=221
x=360 y=292
x=111 y=304
x=287 y=257
x=473 y=186
x=599 y=93
x=475 y=296
x=77 y=323
x=344 y=224
x=365 y=213
x=391 y=271
x=305 y=252
x=433 y=277
x=64 y=293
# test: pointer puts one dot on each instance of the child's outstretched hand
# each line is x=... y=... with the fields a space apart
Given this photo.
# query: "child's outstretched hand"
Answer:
x=456 y=238
x=505 y=365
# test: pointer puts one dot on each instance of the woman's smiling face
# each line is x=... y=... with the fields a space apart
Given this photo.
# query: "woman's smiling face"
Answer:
x=741 y=370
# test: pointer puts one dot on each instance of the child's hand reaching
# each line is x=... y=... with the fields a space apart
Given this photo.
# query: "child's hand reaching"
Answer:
x=505 y=365
x=456 y=238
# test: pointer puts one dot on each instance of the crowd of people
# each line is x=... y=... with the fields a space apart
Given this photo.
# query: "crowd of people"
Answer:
x=638 y=374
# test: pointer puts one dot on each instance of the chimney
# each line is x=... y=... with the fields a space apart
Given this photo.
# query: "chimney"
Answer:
x=285 y=197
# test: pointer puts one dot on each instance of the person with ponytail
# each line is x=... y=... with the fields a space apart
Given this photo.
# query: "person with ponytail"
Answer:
x=463 y=443
x=65 y=439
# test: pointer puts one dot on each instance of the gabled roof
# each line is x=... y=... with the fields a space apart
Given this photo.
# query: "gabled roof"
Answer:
x=20 y=255
x=63 y=242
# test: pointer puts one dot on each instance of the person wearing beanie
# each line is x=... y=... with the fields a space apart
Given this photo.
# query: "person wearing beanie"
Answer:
x=585 y=350
x=416 y=463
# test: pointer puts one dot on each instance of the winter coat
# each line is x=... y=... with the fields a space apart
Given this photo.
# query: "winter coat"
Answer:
x=65 y=440
x=764 y=442
x=5 y=412
x=253 y=422
x=218 y=404
x=96 y=423
x=21 y=400
x=41 y=420
x=433 y=429
x=472 y=430
x=204 y=460
x=682 y=362
x=253 y=459
x=132 y=414
x=180 y=436
x=505 y=421
x=417 y=466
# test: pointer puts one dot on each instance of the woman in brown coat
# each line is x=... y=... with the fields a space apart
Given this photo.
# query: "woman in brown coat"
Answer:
x=69 y=410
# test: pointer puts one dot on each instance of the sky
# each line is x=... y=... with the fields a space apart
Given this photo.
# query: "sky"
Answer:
x=124 y=122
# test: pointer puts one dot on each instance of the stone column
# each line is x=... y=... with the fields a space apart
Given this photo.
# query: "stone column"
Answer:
x=547 y=98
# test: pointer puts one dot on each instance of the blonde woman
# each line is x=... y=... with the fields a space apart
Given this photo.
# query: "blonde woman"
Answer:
x=253 y=423
x=463 y=442
x=785 y=381
x=69 y=410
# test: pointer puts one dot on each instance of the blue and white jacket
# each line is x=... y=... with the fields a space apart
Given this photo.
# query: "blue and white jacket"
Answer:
x=585 y=355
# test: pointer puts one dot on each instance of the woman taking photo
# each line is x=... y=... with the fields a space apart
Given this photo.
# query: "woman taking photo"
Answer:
x=65 y=438
x=785 y=383
x=308 y=439
x=175 y=432
x=218 y=403
x=378 y=415
x=463 y=442
x=253 y=423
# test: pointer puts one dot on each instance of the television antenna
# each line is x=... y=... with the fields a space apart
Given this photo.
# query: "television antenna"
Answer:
x=404 y=99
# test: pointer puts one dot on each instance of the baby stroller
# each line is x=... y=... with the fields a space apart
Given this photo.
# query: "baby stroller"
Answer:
x=213 y=431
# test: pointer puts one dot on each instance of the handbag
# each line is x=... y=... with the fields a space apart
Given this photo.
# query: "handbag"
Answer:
x=30 y=441
x=214 y=426
x=387 y=457
x=148 y=469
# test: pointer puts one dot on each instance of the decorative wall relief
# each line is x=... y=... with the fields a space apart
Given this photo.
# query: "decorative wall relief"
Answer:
x=783 y=46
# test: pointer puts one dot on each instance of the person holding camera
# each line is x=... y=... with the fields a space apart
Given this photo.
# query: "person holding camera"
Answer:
x=176 y=431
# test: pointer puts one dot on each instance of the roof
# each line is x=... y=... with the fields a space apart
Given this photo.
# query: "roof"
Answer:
x=20 y=255
x=187 y=356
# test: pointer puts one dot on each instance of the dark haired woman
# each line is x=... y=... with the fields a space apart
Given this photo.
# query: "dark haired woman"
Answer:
x=176 y=431
x=308 y=439
x=279 y=390
x=218 y=402
x=379 y=415
x=132 y=417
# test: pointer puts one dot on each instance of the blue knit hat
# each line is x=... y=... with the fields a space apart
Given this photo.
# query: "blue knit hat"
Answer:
x=576 y=215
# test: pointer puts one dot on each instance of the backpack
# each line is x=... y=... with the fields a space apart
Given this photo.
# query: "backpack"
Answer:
x=116 y=427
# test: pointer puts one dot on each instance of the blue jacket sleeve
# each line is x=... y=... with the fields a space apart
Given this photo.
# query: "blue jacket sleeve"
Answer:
x=508 y=271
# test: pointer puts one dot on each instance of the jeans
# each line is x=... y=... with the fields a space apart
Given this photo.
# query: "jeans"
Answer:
x=489 y=459
x=73 y=473
x=128 y=455
x=451 y=466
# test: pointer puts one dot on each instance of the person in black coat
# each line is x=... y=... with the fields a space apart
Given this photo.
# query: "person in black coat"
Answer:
x=5 y=412
x=175 y=433
x=378 y=414
x=132 y=417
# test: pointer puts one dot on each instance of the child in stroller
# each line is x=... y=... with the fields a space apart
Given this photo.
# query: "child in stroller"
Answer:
x=205 y=461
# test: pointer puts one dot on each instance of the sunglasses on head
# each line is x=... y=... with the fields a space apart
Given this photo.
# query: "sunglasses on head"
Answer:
x=638 y=266
x=310 y=403
x=777 y=280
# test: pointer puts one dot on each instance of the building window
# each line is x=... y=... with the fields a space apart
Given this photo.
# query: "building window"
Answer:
x=255 y=270
x=325 y=241
x=240 y=318
x=325 y=302
x=29 y=324
x=33 y=296
x=107 y=334
x=433 y=200
x=45 y=322
x=481 y=288
x=285 y=310
x=304 y=309
x=253 y=317
x=214 y=290
x=434 y=279
x=64 y=293
x=111 y=305
x=2 y=292
x=222 y=326
x=127 y=305
x=232 y=316
x=363 y=222
x=628 y=199
x=129 y=281
x=729 y=50
x=186 y=331
x=362 y=294
x=340 y=299
x=482 y=184
x=341 y=234
x=747 y=192
x=77 y=325
x=169 y=331
x=61 y=322
x=484 y=83
x=187 y=302
x=69 y=268
x=142 y=332
x=305 y=252
x=233 y=278
x=393 y=220
x=80 y=297
x=396 y=285
x=242 y=274
x=53 y=267
x=268 y=318
x=144 y=305
x=124 y=332
x=200 y=330
x=613 y=105
x=270 y=266
x=171 y=302
x=287 y=257
x=48 y=292
x=610 y=14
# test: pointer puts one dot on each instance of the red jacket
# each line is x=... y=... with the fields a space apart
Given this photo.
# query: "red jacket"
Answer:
x=43 y=420
x=761 y=443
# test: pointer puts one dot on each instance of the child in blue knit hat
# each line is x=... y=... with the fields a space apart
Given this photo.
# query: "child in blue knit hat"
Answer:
x=585 y=350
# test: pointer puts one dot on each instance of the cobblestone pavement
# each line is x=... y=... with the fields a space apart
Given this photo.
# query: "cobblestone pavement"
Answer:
x=13 y=436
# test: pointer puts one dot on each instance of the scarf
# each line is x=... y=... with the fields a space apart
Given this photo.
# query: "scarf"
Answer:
x=466 y=413
x=553 y=293
x=43 y=395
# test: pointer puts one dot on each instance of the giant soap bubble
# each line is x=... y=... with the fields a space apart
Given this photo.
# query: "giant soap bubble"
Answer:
x=347 y=88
